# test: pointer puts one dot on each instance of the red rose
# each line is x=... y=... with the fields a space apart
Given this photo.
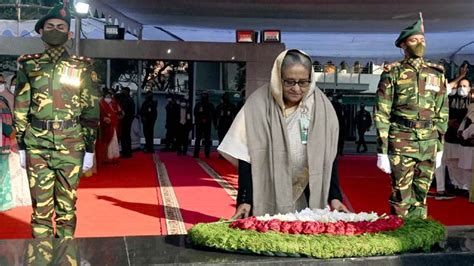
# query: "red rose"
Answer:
x=309 y=228
x=285 y=227
x=274 y=225
x=320 y=227
x=340 y=228
x=330 y=228
x=296 y=227
x=239 y=224
x=249 y=223
x=395 y=221
x=262 y=226
x=235 y=224
x=350 y=229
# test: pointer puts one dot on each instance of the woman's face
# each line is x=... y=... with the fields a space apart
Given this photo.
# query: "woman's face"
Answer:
x=296 y=81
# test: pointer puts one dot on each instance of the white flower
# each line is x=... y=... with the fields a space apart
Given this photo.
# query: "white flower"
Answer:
x=322 y=215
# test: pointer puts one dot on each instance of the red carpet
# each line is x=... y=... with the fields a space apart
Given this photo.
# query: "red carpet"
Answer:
x=200 y=198
x=124 y=199
x=227 y=171
x=365 y=186
x=121 y=200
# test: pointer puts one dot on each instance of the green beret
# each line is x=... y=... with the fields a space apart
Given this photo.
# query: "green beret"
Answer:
x=416 y=28
x=59 y=11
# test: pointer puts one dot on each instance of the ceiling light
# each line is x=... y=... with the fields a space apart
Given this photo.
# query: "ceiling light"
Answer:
x=81 y=7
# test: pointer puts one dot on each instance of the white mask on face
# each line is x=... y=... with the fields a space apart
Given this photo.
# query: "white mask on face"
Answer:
x=183 y=104
x=463 y=91
x=2 y=87
x=108 y=100
x=12 y=88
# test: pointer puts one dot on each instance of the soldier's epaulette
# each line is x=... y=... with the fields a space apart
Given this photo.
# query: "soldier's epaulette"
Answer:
x=82 y=59
x=388 y=67
x=438 y=67
x=27 y=57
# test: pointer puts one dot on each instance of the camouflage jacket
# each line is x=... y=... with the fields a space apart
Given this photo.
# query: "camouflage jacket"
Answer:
x=61 y=90
x=415 y=90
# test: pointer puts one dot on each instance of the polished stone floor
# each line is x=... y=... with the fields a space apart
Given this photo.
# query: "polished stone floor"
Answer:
x=458 y=249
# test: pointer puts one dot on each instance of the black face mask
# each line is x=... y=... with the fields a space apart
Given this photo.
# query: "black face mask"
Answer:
x=416 y=51
x=54 y=38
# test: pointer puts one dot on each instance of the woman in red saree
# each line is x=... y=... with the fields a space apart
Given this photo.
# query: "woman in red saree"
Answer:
x=107 y=142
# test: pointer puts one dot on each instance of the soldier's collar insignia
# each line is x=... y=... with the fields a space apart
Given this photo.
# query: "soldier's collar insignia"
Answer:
x=417 y=63
x=55 y=53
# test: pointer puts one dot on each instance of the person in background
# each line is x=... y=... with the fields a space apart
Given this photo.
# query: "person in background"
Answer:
x=128 y=108
x=462 y=182
x=149 y=114
x=336 y=104
x=468 y=137
x=458 y=104
x=204 y=117
x=8 y=89
x=363 y=123
x=18 y=177
x=7 y=133
x=172 y=117
x=184 y=126
x=225 y=116
x=107 y=143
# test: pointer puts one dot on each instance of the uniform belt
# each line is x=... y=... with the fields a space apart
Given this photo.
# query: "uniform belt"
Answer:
x=416 y=124
x=53 y=124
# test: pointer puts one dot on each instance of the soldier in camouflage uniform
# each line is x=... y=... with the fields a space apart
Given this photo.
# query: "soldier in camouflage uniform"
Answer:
x=56 y=118
x=411 y=119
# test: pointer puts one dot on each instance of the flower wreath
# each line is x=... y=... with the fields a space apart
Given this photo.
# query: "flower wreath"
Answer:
x=323 y=234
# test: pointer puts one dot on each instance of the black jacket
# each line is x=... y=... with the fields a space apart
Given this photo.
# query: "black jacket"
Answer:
x=245 y=191
x=148 y=111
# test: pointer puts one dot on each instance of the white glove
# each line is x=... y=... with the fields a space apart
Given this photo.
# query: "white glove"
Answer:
x=383 y=163
x=439 y=158
x=88 y=161
x=22 y=158
x=468 y=132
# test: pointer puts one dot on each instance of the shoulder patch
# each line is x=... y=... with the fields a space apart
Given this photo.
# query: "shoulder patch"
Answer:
x=82 y=59
x=438 y=67
x=388 y=67
x=27 y=57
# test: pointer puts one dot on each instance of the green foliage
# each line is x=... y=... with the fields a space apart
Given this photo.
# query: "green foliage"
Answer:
x=415 y=235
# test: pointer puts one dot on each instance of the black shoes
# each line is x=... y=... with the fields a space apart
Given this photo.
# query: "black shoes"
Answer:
x=443 y=195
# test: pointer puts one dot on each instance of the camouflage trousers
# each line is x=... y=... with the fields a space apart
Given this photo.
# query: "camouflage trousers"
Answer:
x=53 y=178
x=49 y=251
x=411 y=176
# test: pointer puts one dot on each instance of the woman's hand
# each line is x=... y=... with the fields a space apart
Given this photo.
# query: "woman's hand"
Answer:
x=242 y=211
x=338 y=205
